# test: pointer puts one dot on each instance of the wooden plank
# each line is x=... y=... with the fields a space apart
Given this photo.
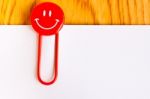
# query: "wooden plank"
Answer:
x=81 y=11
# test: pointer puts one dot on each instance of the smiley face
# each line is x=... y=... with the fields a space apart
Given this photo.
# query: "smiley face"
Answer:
x=46 y=28
x=47 y=18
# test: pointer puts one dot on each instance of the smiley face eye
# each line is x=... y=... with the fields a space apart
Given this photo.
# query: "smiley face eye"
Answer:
x=50 y=13
x=44 y=12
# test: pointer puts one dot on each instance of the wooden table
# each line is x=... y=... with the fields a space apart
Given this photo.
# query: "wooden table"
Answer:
x=81 y=11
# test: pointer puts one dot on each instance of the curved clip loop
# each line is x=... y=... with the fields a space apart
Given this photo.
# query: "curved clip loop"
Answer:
x=55 y=61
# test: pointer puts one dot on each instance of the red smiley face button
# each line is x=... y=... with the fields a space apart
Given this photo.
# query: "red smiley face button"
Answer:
x=47 y=18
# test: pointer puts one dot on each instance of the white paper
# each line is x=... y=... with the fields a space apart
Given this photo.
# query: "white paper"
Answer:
x=95 y=62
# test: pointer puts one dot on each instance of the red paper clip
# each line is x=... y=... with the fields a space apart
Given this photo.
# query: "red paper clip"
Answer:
x=47 y=19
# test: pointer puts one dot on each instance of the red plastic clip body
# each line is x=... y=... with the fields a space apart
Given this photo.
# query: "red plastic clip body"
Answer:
x=47 y=19
x=55 y=61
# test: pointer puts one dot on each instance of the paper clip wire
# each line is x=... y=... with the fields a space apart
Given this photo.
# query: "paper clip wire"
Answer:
x=55 y=73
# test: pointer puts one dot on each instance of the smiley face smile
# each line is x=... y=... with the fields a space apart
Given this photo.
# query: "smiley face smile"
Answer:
x=49 y=28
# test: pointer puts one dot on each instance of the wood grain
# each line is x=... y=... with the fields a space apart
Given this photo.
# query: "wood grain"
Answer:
x=81 y=11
